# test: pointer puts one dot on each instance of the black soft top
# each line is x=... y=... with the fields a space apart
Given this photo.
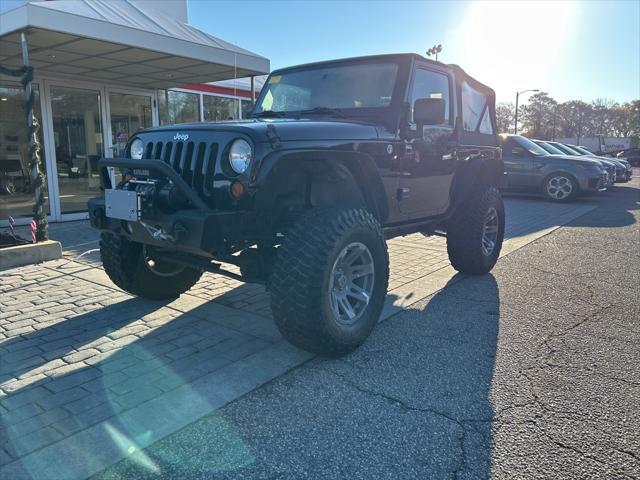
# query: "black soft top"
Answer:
x=459 y=75
x=458 y=72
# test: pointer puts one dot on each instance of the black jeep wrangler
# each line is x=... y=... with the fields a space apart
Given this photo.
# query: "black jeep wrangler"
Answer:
x=337 y=157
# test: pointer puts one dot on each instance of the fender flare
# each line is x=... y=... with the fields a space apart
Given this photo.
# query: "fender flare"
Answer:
x=479 y=170
x=361 y=166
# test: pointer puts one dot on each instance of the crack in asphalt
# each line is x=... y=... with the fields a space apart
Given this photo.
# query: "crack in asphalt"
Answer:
x=462 y=458
x=574 y=276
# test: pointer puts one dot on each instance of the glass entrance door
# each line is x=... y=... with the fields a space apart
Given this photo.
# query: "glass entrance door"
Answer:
x=78 y=140
x=16 y=188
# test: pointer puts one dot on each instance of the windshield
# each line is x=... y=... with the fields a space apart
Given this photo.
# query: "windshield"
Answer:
x=530 y=146
x=550 y=148
x=346 y=86
x=583 y=150
x=566 y=149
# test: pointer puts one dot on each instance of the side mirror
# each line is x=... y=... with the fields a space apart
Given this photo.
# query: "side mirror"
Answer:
x=428 y=111
x=518 y=151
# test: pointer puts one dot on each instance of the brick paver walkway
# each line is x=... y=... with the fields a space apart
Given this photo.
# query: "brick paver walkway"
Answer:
x=80 y=359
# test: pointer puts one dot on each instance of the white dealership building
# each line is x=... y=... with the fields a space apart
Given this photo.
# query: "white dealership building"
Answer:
x=104 y=69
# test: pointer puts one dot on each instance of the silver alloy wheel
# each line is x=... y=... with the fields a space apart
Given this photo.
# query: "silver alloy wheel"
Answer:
x=559 y=187
x=351 y=283
x=160 y=268
x=490 y=231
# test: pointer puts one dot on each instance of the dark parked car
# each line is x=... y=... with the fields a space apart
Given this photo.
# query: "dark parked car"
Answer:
x=559 y=178
x=626 y=174
x=623 y=168
x=609 y=167
x=631 y=155
x=338 y=157
x=620 y=169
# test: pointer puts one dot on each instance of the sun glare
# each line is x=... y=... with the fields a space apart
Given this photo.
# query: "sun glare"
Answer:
x=515 y=45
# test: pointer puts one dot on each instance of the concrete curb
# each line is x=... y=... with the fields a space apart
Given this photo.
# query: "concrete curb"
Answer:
x=28 y=254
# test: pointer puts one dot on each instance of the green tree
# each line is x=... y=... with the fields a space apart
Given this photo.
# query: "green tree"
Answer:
x=537 y=116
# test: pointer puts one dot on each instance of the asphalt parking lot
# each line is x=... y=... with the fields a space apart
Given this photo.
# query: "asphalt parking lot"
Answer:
x=530 y=372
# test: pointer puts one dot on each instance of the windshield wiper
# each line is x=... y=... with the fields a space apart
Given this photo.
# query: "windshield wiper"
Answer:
x=323 y=111
x=269 y=113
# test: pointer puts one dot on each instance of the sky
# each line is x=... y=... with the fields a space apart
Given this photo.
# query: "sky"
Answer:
x=571 y=50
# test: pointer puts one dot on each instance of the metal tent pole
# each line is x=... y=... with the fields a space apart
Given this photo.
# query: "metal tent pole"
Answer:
x=37 y=179
x=253 y=90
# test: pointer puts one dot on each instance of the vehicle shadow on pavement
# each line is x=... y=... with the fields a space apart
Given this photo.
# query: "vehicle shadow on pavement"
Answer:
x=439 y=362
x=623 y=199
x=413 y=402
x=441 y=370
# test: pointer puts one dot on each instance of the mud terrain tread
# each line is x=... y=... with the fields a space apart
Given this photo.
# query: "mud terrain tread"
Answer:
x=464 y=232
x=122 y=261
x=296 y=283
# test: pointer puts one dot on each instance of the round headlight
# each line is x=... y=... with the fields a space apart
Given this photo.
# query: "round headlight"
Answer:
x=137 y=148
x=240 y=155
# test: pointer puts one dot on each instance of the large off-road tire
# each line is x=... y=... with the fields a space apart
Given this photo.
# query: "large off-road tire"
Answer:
x=476 y=231
x=327 y=259
x=131 y=267
x=560 y=187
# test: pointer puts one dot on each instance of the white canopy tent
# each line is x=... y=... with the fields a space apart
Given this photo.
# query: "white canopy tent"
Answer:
x=102 y=70
x=119 y=41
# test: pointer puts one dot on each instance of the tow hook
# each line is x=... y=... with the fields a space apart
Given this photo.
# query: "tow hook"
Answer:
x=158 y=233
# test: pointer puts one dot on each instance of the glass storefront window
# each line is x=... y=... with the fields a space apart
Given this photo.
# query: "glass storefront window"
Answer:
x=247 y=106
x=77 y=131
x=220 y=108
x=16 y=190
x=129 y=114
x=178 y=107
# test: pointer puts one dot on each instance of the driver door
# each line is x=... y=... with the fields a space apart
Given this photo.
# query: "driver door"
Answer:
x=428 y=166
x=518 y=165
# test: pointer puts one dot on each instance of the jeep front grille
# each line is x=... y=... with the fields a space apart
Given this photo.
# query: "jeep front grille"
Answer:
x=194 y=161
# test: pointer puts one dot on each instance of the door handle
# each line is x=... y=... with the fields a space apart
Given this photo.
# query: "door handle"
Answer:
x=538 y=164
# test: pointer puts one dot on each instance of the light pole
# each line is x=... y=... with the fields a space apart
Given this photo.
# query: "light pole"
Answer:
x=515 y=129
x=435 y=50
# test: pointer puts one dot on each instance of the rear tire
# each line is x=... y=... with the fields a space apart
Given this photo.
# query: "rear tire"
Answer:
x=476 y=231
x=329 y=280
x=131 y=267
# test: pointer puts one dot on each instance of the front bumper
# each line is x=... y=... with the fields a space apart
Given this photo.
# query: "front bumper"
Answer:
x=594 y=183
x=191 y=231
x=194 y=228
x=621 y=175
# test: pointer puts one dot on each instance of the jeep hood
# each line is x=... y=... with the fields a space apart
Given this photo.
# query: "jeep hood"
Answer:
x=286 y=130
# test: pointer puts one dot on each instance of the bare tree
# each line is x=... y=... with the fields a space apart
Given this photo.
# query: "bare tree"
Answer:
x=602 y=116
x=505 y=113
x=576 y=116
